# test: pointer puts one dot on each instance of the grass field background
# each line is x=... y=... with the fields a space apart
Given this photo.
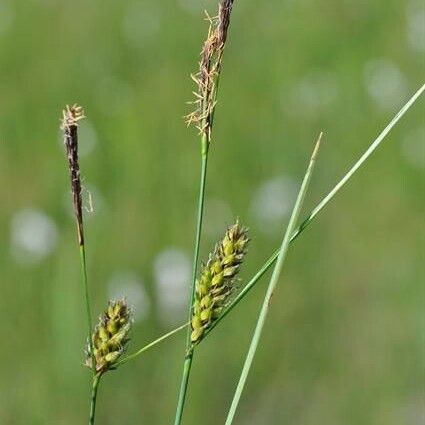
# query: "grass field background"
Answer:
x=344 y=342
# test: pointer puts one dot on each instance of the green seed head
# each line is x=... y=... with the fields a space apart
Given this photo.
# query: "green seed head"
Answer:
x=110 y=336
x=217 y=280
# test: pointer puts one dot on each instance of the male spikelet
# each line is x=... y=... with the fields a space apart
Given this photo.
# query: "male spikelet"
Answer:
x=209 y=70
x=69 y=125
x=110 y=336
x=217 y=280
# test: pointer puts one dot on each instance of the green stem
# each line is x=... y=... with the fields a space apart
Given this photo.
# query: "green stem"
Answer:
x=150 y=345
x=272 y=286
x=184 y=385
x=87 y=302
x=189 y=351
x=95 y=386
x=201 y=201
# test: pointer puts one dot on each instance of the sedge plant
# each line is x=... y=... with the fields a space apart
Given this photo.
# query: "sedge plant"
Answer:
x=214 y=292
x=107 y=342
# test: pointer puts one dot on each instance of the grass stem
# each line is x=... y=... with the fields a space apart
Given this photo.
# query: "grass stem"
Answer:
x=272 y=285
x=189 y=351
x=150 y=345
x=96 y=376
x=95 y=386
x=187 y=365
x=87 y=302
x=201 y=201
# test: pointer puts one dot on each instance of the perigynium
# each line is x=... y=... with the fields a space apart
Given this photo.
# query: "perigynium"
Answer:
x=217 y=280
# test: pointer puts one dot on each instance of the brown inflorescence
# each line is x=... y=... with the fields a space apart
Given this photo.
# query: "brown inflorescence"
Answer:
x=209 y=70
x=71 y=116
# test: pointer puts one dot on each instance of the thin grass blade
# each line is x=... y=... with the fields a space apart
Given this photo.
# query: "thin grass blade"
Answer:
x=272 y=285
x=150 y=345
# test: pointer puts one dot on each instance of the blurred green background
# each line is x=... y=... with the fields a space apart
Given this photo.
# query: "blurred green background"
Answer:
x=344 y=343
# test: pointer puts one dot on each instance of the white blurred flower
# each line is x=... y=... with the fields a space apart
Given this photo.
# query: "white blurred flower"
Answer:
x=172 y=271
x=273 y=201
x=385 y=83
x=415 y=15
x=312 y=94
x=33 y=236
x=127 y=284
x=413 y=147
x=218 y=215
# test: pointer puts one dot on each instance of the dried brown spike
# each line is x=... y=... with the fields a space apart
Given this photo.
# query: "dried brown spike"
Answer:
x=209 y=70
x=71 y=116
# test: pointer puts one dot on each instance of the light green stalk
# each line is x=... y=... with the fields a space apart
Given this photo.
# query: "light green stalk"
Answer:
x=150 y=345
x=87 y=302
x=95 y=387
x=272 y=285
x=187 y=365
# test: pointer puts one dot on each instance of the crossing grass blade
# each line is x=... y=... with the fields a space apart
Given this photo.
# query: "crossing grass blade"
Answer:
x=273 y=283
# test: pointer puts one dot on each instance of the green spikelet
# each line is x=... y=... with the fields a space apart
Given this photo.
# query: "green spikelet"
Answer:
x=217 y=280
x=110 y=336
